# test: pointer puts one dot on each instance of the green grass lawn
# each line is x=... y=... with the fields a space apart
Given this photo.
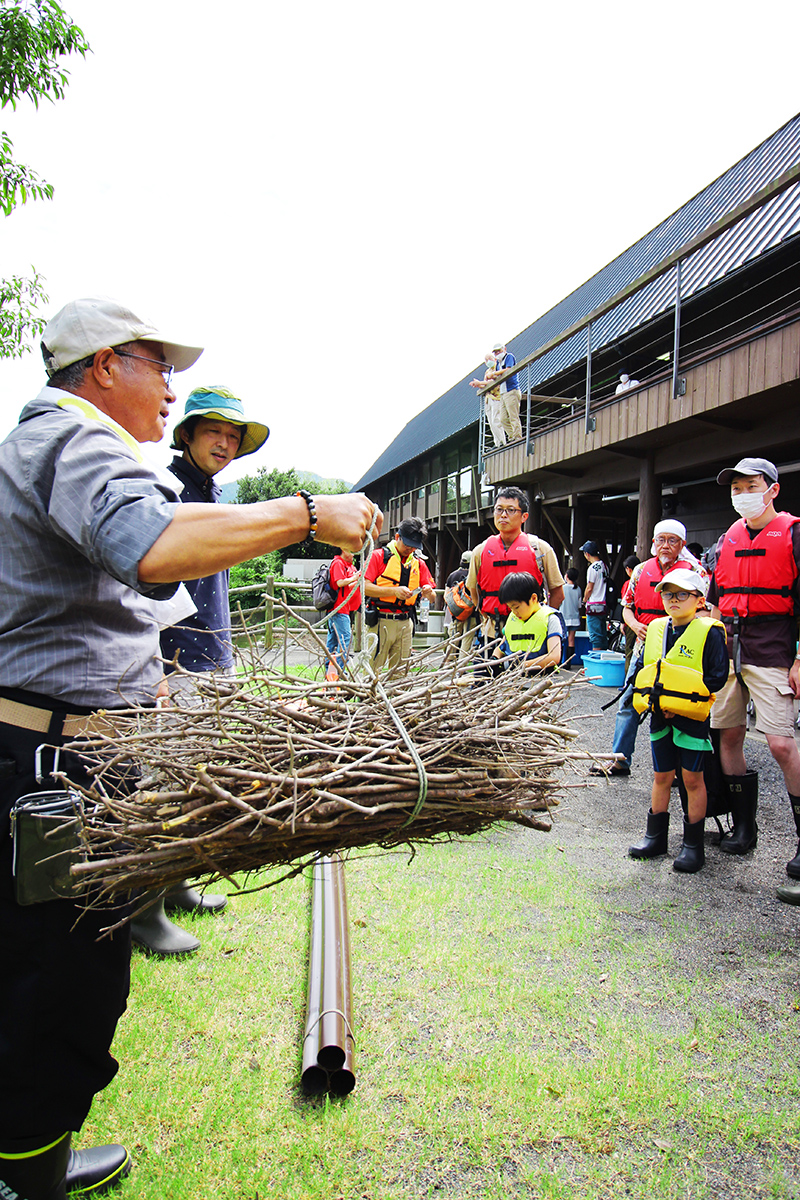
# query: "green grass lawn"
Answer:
x=518 y=1034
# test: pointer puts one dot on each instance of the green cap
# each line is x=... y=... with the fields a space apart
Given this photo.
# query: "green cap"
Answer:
x=220 y=402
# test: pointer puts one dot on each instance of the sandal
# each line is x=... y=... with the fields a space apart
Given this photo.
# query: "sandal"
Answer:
x=616 y=769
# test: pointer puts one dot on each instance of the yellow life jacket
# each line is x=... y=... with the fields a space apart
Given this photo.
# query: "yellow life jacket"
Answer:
x=529 y=636
x=390 y=576
x=672 y=680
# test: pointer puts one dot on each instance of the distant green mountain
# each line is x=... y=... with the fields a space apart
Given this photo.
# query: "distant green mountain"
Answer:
x=229 y=491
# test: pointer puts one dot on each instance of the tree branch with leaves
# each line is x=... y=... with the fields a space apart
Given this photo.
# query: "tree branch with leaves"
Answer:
x=35 y=35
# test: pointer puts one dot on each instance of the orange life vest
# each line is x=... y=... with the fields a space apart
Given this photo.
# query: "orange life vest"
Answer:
x=647 y=602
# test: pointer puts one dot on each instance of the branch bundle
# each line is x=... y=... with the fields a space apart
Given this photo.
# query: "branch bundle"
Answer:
x=281 y=770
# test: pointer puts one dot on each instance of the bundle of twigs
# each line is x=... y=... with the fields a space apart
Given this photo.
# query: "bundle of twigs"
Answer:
x=280 y=770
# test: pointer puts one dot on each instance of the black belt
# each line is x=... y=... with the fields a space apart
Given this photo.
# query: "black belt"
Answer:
x=384 y=616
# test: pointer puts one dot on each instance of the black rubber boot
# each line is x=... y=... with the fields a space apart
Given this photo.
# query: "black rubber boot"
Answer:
x=655 y=838
x=35 y=1168
x=183 y=898
x=793 y=865
x=92 y=1172
x=155 y=933
x=743 y=791
x=692 y=855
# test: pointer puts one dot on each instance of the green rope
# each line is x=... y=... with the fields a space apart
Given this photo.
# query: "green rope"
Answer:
x=418 y=763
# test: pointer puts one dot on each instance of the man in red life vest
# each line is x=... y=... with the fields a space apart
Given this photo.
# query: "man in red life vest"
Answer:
x=508 y=552
x=755 y=592
x=642 y=605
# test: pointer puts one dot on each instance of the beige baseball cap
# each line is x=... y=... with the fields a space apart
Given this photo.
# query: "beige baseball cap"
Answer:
x=85 y=326
x=686 y=580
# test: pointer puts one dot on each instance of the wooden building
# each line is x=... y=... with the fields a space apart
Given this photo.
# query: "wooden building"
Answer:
x=705 y=313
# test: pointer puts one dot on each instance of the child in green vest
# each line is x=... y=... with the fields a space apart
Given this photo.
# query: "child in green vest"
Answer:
x=684 y=661
x=533 y=633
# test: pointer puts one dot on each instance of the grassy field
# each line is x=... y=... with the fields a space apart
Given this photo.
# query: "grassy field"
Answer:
x=521 y=1032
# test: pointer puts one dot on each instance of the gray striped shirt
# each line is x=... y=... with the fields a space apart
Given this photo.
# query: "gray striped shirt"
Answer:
x=79 y=512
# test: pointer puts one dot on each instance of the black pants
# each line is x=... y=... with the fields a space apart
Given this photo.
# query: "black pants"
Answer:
x=62 y=990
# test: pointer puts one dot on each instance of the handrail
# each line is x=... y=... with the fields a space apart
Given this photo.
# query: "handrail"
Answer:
x=757 y=200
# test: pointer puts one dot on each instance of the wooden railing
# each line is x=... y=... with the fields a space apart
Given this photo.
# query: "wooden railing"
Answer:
x=449 y=499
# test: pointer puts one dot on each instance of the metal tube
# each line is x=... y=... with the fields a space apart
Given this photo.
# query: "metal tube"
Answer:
x=528 y=414
x=332 y=1027
x=587 y=428
x=314 y=1078
x=676 y=350
x=343 y=1080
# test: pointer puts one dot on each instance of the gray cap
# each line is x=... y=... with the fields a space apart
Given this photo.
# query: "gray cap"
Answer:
x=749 y=466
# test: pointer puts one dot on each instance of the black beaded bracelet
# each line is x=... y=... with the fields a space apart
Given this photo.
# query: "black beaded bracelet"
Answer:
x=312 y=517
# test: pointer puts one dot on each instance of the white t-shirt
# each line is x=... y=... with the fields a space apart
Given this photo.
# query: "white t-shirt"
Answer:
x=596 y=575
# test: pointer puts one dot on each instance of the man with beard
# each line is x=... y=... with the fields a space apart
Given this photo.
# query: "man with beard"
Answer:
x=643 y=605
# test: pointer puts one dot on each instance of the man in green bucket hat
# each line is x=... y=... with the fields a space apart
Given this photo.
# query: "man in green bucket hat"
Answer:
x=211 y=434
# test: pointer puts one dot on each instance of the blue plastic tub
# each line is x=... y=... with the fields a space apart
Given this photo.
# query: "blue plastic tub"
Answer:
x=608 y=665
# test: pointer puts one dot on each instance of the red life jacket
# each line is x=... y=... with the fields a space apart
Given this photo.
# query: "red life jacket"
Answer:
x=755 y=578
x=647 y=602
x=497 y=563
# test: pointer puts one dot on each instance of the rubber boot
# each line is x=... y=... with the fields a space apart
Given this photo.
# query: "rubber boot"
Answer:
x=692 y=855
x=655 y=838
x=92 y=1172
x=793 y=865
x=35 y=1168
x=789 y=893
x=183 y=898
x=155 y=933
x=743 y=790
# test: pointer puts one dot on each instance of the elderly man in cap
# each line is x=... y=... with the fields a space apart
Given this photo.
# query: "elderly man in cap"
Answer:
x=212 y=433
x=509 y=394
x=395 y=578
x=643 y=605
x=755 y=592
x=90 y=536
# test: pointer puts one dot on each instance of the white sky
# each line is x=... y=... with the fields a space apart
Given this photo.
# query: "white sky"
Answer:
x=348 y=203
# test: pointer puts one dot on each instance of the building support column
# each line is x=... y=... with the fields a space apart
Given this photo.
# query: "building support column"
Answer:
x=580 y=530
x=649 y=507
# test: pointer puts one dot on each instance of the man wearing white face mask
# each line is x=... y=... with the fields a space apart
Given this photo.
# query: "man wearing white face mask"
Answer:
x=755 y=592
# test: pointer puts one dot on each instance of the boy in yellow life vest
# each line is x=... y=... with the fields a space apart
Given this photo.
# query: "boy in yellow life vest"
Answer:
x=683 y=663
x=533 y=633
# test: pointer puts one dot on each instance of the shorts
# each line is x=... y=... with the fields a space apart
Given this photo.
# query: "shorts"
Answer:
x=774 y=709
x=668 y=756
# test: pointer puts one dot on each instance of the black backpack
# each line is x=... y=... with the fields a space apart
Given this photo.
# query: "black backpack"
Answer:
x=323 y=596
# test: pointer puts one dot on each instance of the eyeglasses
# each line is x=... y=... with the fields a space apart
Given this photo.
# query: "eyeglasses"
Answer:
x=679 y=596
x=668 y=541
x=506 y=512
x=166 y=369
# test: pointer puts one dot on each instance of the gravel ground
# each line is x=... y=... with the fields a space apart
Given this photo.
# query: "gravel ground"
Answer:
x=735 y=896
x=600 y=820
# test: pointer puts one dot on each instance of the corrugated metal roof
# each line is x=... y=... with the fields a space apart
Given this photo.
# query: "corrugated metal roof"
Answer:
x=763 y=229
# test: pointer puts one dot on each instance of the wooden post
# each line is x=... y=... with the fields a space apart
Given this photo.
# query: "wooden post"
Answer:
x=649 y=507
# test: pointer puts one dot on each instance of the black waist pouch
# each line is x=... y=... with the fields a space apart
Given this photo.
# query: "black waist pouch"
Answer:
x=45 y=829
